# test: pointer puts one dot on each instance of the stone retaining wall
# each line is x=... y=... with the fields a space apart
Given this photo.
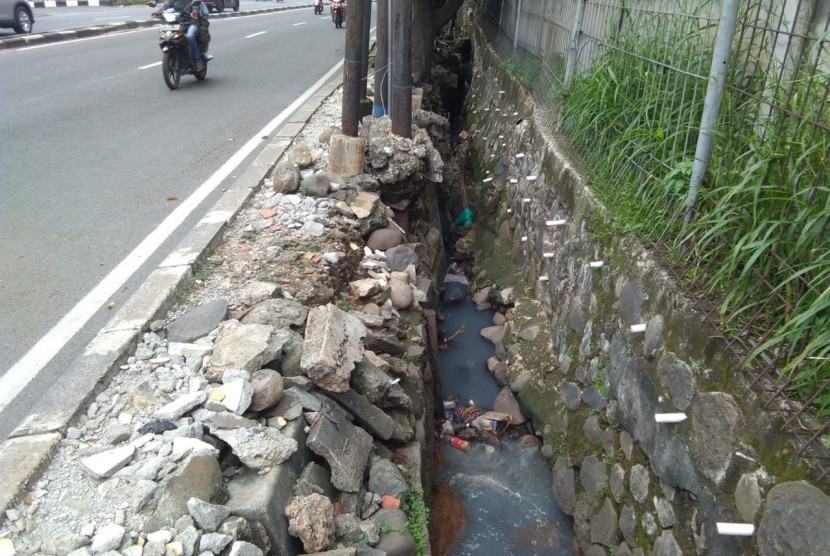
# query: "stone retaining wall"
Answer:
x=614 y=342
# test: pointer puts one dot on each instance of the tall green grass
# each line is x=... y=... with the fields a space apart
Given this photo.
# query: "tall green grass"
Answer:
x=760 y=239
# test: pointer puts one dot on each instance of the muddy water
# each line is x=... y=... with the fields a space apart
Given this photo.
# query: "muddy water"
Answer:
x=507 y=494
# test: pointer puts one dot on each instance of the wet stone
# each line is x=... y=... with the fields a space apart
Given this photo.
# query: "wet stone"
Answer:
x=594 y=399
x=617 y=481
x=571 y=395
x=592 y=430
x=639 y=481
x=604 y=525
x=666 y=545
x=748 y=497
x=676 y=376
x=800 y=531
x=665 y=512
x=628 y=524
x=627 y=444
x=592 y=475
x=564 y=485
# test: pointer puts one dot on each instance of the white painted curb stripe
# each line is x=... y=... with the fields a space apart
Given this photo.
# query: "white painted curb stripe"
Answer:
x=27 y=368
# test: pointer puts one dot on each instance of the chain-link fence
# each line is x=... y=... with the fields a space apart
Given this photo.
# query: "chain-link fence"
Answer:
x=703 y=125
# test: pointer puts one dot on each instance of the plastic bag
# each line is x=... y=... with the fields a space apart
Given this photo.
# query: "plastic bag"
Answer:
x=464 y=220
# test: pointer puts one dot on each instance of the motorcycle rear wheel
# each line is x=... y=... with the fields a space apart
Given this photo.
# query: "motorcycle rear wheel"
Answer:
x=200 y=75
x=170 y=69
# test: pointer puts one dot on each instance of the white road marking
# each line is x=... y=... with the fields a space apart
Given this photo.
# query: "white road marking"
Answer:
x=27 y=368
x=300 y=23
x=154 y=64
x=256 y=34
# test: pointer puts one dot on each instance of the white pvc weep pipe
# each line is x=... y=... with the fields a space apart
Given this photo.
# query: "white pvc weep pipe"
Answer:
x=573 y=44
x=711 y=105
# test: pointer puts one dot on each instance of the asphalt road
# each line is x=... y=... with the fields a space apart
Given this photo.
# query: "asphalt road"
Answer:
x=64 y=18
x=96 y=152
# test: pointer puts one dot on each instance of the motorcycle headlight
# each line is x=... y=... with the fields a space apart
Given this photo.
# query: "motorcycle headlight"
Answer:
x=170 y=17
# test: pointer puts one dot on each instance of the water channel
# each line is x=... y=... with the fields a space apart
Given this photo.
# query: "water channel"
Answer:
x=507 y=494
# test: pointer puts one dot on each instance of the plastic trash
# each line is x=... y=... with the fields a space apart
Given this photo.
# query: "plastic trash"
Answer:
x=464 y=220
x=459 y=443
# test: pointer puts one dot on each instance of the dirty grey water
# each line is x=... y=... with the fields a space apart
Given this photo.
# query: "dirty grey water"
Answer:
x=508 y=498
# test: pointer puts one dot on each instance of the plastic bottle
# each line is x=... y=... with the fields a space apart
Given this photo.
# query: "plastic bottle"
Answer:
x=459 y=443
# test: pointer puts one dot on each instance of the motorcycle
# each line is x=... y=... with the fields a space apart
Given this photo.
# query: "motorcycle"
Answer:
x=338 y=13
x=176 y=58
x=318 y=7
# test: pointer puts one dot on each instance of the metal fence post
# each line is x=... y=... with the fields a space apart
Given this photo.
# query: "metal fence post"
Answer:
x=573 y=44
x=711 y=104
x=516 y=27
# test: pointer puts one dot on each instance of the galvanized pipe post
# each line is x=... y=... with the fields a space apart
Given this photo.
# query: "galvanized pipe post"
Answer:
x=402 y=68
x=351 y=68
x=573 y=45
x=516 y=27
x=380 y=101
x=364 y=51
x=711 y=104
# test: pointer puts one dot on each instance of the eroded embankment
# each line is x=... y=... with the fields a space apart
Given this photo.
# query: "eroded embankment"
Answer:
x=601 y=341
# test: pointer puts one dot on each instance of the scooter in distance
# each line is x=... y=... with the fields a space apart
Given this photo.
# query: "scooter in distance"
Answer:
x=318 y=7
x=176 y=58
x=338 y=13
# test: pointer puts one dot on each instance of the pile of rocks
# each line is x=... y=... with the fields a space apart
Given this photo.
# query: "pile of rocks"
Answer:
x=283 y=406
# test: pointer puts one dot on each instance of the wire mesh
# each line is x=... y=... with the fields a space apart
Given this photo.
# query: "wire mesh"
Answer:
x=769 y=163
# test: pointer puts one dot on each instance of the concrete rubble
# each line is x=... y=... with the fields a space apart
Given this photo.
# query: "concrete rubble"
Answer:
x=264 y=414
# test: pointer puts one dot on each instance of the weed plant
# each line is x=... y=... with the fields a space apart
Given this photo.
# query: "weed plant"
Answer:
x=760 y=239
x=417 y=517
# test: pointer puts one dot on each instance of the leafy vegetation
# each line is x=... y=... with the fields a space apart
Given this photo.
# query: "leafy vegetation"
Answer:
x=417 y=517
x=759 y=242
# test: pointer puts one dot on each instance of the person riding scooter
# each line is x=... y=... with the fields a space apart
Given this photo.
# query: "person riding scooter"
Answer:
x=338 y=8
x=197 y=32
x=318 y=7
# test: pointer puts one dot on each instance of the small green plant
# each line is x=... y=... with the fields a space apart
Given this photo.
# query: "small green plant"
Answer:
x=417 y=517
x=383 y=526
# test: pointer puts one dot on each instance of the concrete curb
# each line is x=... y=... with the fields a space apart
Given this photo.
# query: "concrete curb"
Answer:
x=120 y=26
x=31 y=445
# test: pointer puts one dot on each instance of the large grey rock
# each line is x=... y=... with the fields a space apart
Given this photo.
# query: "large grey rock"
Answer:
x=369 y=380
x=316 y=185
x=631 y=303
x=260 y=497
x=628 y=524
x=617 y=482
x=181 y=405
x=592 y=475
x=206 y=515
x=506 y=402
x=564 y=487
x=604 y=525
x=748 y=497
x=716 y=423
x=638 y=482
x=666 y=545
x=400 y=293
x=279 y=313
x=332 y=346
x=400 y=257
x=345 y=447
x=195 y=477
x=287 y=179
x=244 y=346
x=311 y=518
x=653 y=339
x=571 y=395
x=197 y=322
x=386 y=479
x=395 y=539
x=384 y=238
x=258 y=447
x=105 y=464
x=796 y=521
x=677 y=377
x=255 y=291
x=268 y=387
x=108 y=537
x=371 y=417
x=244 y=548
x=315 y=478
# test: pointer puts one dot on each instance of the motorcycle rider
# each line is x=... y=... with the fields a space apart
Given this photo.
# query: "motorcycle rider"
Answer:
x=335 y=5
x=199 y=14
